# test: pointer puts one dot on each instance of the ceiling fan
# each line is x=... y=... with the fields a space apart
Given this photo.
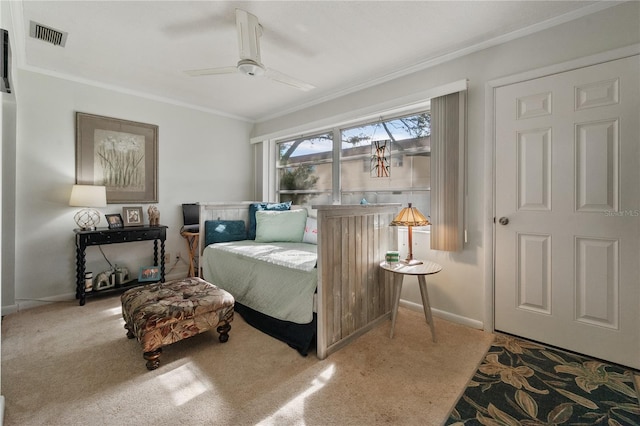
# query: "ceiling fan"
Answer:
x=249 y=32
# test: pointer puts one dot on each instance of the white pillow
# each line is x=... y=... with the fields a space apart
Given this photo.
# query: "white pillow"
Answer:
x=311 y=231
x=280 y=226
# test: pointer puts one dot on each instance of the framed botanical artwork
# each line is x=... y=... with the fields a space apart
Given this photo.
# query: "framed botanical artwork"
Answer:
x=114 y=221
x=119 y=154
x=132 y=216
x=149 y=273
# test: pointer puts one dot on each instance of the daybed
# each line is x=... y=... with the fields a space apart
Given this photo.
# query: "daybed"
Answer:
x=331 y=294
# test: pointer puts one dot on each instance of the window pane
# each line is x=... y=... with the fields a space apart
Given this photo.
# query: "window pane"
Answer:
x=305 y=169
x=302 y=150
x=405 y=165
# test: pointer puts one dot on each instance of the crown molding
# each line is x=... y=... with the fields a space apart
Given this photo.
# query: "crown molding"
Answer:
x=429 y=62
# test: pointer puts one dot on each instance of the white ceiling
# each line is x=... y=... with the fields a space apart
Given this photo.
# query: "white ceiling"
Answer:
x=338 y=46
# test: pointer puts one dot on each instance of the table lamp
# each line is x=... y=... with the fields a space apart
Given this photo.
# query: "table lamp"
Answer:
x=88 y=196
x=410 y=217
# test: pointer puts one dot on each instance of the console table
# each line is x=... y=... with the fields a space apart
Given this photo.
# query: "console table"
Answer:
x=103 y=236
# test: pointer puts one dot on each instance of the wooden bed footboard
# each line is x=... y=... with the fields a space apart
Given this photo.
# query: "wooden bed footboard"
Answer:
x=353 y=293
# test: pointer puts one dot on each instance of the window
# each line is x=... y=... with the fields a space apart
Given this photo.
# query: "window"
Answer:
x=304 y=169
x=396 y=149
x=405 y=175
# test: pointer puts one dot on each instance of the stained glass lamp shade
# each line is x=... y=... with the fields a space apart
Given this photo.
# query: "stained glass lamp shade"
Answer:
x=410 y=217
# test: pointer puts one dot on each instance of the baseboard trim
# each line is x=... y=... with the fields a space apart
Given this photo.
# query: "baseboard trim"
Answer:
x=10 y=309
x=29 y=303
x=469 y=322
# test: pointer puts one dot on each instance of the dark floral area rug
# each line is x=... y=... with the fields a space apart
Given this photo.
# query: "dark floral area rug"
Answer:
x=524 y=383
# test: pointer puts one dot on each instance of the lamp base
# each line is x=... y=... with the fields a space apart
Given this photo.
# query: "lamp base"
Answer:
x=411 y=262
x=87 y=219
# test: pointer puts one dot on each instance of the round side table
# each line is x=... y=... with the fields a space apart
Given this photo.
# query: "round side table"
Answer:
x=399 y=270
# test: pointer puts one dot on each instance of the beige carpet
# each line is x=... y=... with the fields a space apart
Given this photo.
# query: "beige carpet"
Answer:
x=63 y=364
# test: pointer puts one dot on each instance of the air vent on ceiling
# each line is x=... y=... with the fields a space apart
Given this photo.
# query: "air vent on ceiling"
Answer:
x=48 y=34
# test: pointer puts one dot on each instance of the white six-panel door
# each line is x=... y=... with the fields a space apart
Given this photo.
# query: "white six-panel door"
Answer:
x=568 y=210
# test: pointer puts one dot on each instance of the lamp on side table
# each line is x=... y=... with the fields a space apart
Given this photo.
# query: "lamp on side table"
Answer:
x=410 y=217
x=88 y=196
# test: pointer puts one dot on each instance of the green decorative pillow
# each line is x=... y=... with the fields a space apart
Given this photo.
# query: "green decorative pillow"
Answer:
x=280 y=226
x=254 y=207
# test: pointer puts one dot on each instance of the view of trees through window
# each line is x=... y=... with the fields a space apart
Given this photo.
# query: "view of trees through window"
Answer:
x=306 y=164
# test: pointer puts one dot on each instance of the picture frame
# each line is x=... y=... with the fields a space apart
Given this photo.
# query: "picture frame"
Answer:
x=119 y=154
x=114 y=220
x=132 y=216
x=149 y=273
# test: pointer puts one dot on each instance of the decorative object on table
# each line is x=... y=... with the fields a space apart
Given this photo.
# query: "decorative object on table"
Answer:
x=132 y=216
x=149 y=273
x=120 y=275
x=522 y=382
x=364 y=202
x=392 y=257
x=88 y=281
x=380 y=155
x=119 y=154
x=410 y=217
x=102 y=281
x=154 y=216
x=88 y=196
x=114 y=220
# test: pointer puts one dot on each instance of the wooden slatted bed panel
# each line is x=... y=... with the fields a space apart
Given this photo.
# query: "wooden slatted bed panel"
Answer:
x=353 y=293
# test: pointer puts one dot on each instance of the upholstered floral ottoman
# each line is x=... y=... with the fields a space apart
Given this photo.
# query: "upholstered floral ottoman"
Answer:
x=163 y=313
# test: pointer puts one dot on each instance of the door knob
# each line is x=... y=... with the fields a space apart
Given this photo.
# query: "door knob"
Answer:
x=503 y=220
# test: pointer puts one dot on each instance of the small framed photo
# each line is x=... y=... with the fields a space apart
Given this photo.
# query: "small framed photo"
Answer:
x=132 y=216
x=114 y=220
x=149 y=273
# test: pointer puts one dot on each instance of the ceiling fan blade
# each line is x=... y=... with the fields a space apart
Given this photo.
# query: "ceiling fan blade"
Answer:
x=288 y=80
x=249 y=32
x=212 y=71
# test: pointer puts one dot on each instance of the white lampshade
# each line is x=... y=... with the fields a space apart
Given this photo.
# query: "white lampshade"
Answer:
x=88 y=196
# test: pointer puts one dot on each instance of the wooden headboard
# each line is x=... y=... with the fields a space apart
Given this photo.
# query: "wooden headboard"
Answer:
x=354 y=295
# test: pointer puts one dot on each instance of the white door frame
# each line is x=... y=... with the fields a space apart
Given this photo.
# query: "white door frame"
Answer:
x=489 y=157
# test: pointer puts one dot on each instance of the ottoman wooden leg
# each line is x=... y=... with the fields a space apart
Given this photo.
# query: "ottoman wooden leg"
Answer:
x=130 y=334
x=153 y=358
x=224 y=332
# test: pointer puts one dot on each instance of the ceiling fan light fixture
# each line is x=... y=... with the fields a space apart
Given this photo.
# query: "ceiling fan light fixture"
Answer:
x=250 y=68
x=249 y=32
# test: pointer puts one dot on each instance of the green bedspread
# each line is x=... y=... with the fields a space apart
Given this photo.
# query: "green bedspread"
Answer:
x=277 y=279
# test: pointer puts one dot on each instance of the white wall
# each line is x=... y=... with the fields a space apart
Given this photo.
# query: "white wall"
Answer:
x=202 y=157
x=459 y=290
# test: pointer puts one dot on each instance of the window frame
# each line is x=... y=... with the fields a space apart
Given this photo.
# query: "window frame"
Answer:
x=336 y=161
